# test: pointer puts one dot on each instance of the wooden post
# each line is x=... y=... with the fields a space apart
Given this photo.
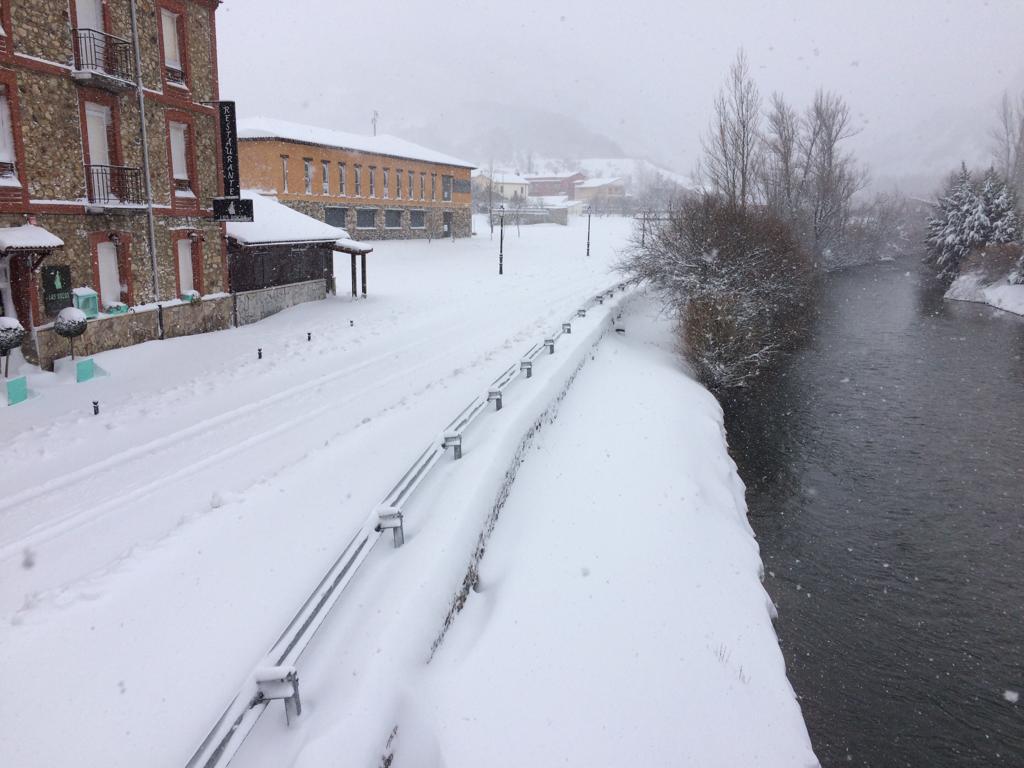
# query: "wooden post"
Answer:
x=364 y=275
x=354 y=291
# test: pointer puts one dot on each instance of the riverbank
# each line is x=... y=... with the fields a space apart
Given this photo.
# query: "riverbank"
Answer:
x=620 y=618
x=975 y=287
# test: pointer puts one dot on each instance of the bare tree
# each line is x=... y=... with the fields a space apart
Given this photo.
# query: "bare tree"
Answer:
x=1008 y=142
x=732 y=145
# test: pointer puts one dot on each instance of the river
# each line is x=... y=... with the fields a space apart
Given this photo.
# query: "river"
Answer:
x=884 y=466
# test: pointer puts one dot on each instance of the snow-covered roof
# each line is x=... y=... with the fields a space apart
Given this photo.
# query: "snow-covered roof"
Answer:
x=594 y=183
x=28 y=237
x=554 y=177
x=275 y=222
x=510 y=178
x=270 y=128
x=347 y=245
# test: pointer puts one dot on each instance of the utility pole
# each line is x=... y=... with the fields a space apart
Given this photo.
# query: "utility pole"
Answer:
x=147 y=181
x=374 y=119
x=501 y=243
x=588 y=230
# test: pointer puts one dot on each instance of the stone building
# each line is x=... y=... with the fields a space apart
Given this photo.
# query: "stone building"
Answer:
x=79 y=91
x=376 y=187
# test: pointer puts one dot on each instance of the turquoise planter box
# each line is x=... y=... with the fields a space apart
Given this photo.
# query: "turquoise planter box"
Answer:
x=87 y=301
x=17 y=390
x=85 y=370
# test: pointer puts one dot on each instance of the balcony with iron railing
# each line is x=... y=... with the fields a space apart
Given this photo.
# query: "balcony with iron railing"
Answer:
x=103 y=60
x=114 y=185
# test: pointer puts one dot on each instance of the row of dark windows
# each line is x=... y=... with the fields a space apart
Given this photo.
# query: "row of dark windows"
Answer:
x=366 y=218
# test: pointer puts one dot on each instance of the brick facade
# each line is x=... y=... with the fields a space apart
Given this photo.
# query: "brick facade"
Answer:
x=262 y=168
x=49 y=87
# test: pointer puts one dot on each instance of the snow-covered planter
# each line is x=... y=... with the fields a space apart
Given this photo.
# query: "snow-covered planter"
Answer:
x=70 y=324
x=190 y=297
x=11 y=335
x=115 y=308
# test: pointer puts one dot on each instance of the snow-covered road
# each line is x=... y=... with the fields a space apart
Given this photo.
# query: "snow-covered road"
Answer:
x=149 y=555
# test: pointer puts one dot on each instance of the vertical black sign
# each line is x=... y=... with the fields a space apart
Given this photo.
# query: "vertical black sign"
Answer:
x=56 y=289
x=229 y=148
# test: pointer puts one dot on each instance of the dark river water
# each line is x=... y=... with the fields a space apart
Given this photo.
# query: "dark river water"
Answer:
x=885 y=473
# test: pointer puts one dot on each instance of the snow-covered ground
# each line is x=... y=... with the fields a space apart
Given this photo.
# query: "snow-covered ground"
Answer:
x=150 y=555
x=1000 y=294
x=620 y=619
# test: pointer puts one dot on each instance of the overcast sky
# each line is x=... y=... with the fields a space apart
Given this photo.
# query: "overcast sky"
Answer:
x=922 y=76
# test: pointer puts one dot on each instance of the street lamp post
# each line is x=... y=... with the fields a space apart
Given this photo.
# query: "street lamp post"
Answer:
x=588 y=230
x=501 y=242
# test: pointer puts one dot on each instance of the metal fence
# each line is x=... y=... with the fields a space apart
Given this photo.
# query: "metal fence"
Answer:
x=276 y=676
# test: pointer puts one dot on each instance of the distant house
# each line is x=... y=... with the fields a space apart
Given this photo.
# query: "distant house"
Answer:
x=381 y=187
x=551 y=186
x=506 y=184
x=602 y=194
x=283 y=258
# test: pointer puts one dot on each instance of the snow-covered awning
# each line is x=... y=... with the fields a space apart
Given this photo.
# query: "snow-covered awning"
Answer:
x=347 y=245
x=276 y=223
x=28 y=237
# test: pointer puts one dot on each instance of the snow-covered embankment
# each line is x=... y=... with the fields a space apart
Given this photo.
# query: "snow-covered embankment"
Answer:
x=619 y=617
x=973 y=286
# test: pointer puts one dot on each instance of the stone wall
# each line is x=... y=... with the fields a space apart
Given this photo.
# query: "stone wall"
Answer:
x=252 y=306
x=203 y=316
x=100 y=335
x=115 y=331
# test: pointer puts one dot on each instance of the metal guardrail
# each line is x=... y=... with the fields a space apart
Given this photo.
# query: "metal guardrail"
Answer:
x=276 y=677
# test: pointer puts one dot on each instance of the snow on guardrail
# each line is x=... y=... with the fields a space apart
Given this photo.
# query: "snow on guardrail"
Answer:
x=275 y=676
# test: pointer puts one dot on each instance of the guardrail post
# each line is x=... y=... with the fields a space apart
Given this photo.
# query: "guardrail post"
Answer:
x=600 y=298
x=391 y=518
x=581 y=313
x=453 y=440
x=526 y=366
x=566 y=327
x=549 y=345
x=280 y=683
x=494 y=395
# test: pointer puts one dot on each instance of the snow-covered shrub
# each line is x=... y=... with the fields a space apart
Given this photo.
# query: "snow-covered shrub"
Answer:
x=741 y=286
x=11 y=334
x=70 y=324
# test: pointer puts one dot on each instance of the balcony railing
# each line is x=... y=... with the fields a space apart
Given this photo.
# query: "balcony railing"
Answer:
x=100 y=53
x=114 y=185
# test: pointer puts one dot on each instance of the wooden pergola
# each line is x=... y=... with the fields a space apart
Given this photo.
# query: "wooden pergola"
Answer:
x=354 y=249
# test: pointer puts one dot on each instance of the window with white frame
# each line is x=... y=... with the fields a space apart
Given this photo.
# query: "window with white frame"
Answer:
x=8 y=172
x=325 y=177
x=358 y=179
x=398 y=184
x=433 y=186
x=110 y=273
x=170 y=28
x=412 y=185
x=307 y=175
x=341 y=179
x=418 y=219
x=186 y=279
x=284 y=173
x=392 y=219
x=179 y=158
x=423 y=186
x=373 y=181
x=387 y=183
